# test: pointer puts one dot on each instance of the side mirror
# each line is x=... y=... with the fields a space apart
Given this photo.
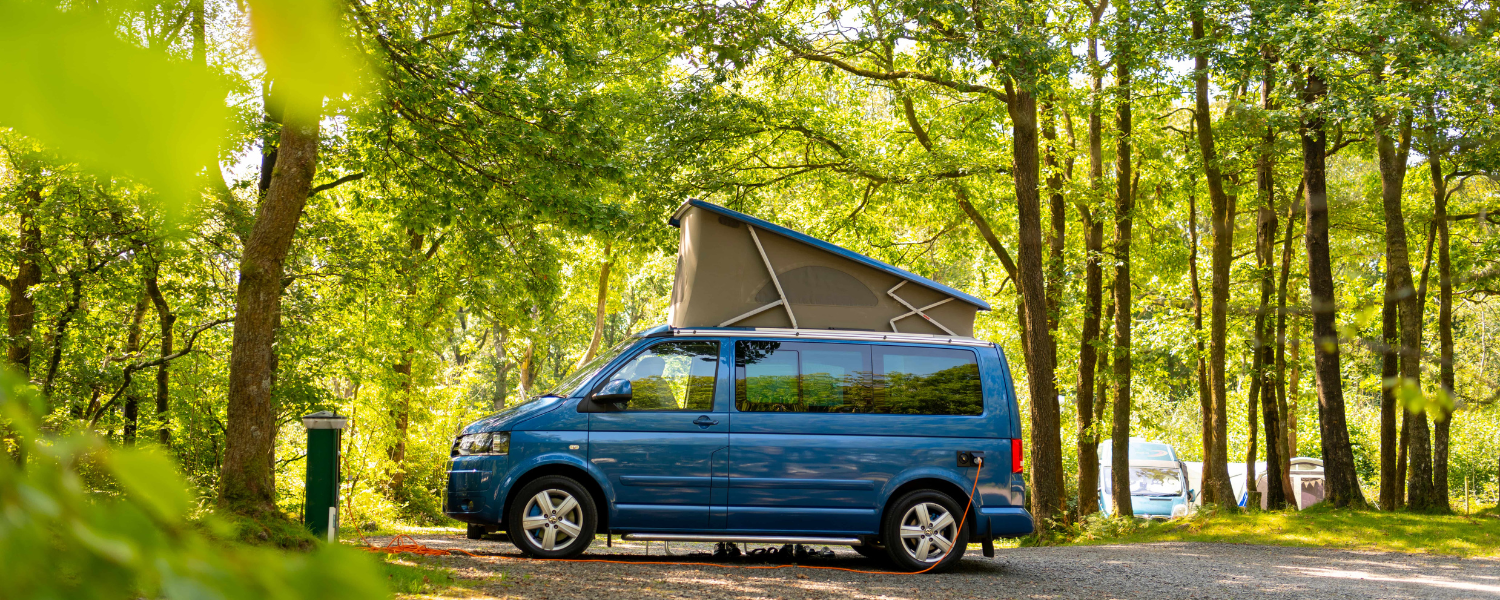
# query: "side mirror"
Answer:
x=615 y=391
x=1192 y=496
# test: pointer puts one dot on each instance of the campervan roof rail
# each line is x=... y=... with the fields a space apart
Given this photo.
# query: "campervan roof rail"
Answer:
x=833 y=334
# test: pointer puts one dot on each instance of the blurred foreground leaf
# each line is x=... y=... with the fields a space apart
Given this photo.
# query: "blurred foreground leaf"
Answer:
x=72 y=84
x=61 y=539
x=304 y=47
x=153 y=479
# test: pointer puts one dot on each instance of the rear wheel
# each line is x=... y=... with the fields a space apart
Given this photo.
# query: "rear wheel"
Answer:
x=922 y=531
x=552 y=517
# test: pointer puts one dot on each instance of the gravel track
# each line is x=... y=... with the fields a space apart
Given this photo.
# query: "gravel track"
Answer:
x=1162 y=570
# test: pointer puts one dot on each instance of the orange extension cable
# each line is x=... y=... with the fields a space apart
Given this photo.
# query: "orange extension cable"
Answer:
x=414 y=547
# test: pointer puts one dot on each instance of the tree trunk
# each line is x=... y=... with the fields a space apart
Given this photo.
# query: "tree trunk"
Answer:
x=1216 y=470
x=401 y=418
x=1338 y=456
x=133 y=347
x=1390 y=373
x=1046 y=446
x=502 y=368
x=1410 y=419
x=1056 y=237
x=247 y=482
x=600 y=307
x=163 y=378
x=1124 y=209
x=59 y=334
x=20 y=308
x=1204 y=400
x=1438 y=500
x=1294 y=380
x=1265 y=250
x=1402 y=325
x=1088 y=345
x=1284 y=445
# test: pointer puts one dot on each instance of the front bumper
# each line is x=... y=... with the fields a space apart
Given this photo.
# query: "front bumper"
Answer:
x=472 y=495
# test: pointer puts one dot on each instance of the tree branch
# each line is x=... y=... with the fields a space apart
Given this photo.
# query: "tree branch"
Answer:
x=968 y=88
x=131 y=369
x=335 y=183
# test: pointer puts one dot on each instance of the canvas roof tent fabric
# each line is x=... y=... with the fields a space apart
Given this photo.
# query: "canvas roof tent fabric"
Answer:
x=724 y=278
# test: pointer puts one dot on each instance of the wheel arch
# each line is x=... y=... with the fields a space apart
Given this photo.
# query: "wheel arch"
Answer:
x=936 y=483
x=582 y=476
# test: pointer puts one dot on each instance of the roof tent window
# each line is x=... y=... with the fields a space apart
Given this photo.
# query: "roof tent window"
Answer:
x=818 y=285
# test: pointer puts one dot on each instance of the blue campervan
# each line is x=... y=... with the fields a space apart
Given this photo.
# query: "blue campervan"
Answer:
x=1160 y=487
x=754 y=434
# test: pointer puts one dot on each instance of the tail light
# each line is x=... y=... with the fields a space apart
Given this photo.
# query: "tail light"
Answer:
x=1015 y=455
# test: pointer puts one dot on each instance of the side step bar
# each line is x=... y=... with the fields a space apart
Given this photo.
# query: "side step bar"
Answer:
x=769 y=539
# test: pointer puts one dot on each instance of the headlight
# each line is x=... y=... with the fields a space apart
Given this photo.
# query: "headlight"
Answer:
x=481 y=443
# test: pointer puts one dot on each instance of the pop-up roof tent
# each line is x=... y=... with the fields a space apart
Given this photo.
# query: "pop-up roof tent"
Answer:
x=734 y=270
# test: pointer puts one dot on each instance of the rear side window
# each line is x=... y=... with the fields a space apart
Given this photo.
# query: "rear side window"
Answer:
x=927 y=381
x=801 y=377
x=855 y=378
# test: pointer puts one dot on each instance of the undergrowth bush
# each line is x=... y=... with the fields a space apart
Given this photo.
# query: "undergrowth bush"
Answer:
x=62 y=538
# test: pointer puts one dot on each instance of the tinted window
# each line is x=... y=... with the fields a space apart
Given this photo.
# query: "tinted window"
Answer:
x=813 y=377
x=673 y=376
x=800 y=377
x=927 y=381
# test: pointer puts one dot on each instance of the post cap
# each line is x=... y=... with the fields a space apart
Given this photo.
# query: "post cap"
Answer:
x=325 y=419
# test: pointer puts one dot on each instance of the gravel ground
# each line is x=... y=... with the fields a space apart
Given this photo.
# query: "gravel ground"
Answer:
x=1163 y=570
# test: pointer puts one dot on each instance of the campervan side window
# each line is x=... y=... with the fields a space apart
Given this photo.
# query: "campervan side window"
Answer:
x=839 y=378
x=927 y=381
x=673 y=376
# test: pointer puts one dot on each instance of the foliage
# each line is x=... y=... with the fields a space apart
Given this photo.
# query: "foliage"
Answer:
x=63 y=537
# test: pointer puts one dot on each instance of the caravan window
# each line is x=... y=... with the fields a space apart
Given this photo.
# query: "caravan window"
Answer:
x=1146 y=481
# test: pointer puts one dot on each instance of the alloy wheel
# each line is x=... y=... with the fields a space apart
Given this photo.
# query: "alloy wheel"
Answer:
x=552 y=519
x=928 y=531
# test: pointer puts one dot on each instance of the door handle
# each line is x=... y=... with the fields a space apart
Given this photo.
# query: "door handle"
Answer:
x=705 y=422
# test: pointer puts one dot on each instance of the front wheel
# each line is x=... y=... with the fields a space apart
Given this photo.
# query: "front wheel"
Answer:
x=552 y=517
x=923 y=533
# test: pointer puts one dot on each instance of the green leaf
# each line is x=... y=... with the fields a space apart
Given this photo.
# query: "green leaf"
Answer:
x=304 y=47
x=73 y=85
x=152 y=480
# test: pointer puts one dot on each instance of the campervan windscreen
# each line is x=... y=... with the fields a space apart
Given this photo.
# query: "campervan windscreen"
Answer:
x=1150 y=481
x=569 y=386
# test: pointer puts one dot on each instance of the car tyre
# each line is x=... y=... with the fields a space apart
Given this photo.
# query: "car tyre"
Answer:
x=922 y=532
x=475 y=532
x=552 y=517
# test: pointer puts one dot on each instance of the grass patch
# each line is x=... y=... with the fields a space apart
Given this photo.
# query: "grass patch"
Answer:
x=415 y=575
x=1454 y=535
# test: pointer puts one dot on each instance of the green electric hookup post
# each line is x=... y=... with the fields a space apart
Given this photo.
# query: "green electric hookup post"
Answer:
x=320 y=512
